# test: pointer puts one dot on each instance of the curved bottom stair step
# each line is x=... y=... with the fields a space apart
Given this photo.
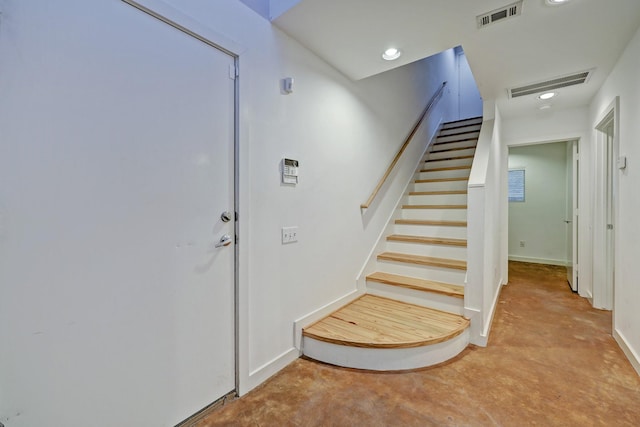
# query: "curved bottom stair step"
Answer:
x=384 y=334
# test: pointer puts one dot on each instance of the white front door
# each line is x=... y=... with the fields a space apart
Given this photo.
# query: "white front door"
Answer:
x=117 y=162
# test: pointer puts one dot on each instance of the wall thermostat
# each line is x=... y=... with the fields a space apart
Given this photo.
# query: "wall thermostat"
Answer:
x=289 y=171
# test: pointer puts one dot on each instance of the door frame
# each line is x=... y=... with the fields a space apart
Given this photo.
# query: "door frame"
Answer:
x=605 y=199
x=172 y=17
x=578 y=196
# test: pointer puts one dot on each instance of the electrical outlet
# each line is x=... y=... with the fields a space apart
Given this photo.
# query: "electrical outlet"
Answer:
x=522 y=243
x=289 y=234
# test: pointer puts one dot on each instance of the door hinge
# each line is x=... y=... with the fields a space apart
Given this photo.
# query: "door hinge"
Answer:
x=576 y=268
x=609 y=226
x=233 y=72
x=576 y=212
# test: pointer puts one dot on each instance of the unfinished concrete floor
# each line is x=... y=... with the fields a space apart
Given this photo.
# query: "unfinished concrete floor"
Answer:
x=551 y=361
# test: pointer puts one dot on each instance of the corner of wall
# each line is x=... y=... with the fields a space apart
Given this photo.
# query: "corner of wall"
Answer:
x=632 y=355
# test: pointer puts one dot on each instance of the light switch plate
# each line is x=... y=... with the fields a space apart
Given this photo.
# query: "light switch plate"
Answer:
x=289 y=234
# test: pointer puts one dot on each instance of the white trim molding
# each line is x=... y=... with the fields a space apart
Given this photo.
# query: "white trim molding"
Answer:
x=633 y=357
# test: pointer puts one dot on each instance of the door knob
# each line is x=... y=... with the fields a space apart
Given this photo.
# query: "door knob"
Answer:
x=224 y=241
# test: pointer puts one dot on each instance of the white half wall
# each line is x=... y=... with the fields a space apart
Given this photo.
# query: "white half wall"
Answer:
x=537 y=231
x=623 y=83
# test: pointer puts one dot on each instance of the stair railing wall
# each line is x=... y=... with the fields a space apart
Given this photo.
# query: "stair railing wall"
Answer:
x=484 y=234
x=421 y=119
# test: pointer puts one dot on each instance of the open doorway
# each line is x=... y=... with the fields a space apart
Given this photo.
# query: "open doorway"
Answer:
x=543 y=201
x=605 y=210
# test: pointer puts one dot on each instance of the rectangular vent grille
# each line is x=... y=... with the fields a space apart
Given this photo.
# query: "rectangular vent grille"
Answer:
x=496 y=15
x=557 y=83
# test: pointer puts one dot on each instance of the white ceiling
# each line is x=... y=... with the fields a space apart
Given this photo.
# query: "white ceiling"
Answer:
x=544 y=42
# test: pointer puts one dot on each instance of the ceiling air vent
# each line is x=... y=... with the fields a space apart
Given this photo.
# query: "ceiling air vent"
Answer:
x=547 y=85
x=500 y=14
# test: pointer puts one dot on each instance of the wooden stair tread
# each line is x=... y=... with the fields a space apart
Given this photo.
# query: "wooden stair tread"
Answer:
x=441 y=180
x=454 y=141
x=377 y=322
x=450 y=168
x=454 y=149
x=445 y=241
x=449 y=158
x=443 y=223
x=437 y=193
x=417 y=284
x=477 y=120
x=434 y=206
x=423 y=260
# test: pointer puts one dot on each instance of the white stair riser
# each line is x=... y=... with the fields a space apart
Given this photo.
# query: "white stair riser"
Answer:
x=467 y=135
x=435 y=214
x=425 y=299
x=440 y=186
x=461 y=129
x=431 y=231
x=388 y=359
x=467 y=122
x=439 y=274
x=438 y=251
x=438 y=199
x=448 y=154
x=447 y=163
x=456 y=173
x=451 y=145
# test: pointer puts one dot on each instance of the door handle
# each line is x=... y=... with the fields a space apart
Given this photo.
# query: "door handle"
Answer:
x=224 y=241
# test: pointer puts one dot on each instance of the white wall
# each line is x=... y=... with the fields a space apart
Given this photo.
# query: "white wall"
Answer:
x=343 y=133
x=539 y=220
x=469 y=101
x=555 y=126
x=623 y=83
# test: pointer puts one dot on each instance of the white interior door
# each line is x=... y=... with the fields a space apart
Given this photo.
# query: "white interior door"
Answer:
x=609 y=215
x=117 y=161
x=572 y=214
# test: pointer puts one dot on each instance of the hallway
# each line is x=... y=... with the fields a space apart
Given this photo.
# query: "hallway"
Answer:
x=551 y=361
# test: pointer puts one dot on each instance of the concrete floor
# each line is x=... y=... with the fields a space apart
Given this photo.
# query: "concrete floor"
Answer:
x=551 y=361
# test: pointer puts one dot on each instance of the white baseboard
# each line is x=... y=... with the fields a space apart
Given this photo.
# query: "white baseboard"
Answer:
x=483 y=339
x=318 y=314
x=533 y=260
x=269 y=369
x=633 y=357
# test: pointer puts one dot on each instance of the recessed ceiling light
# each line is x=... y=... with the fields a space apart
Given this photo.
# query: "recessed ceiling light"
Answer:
x=547 y=95
x=556 y=2
x=391 y=54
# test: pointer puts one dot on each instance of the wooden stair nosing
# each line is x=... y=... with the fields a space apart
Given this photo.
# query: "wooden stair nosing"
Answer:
x=437 y=193
x=434 y=206
x=451 y=142
x=449 y=168
x=377 y=322
x=419 y=181
x=449 y=158
x=471 y=147
x=444 y=241
x=460 y=121
x=443 y=223
x=417 y=284
x=463 y=135
x=423 y=260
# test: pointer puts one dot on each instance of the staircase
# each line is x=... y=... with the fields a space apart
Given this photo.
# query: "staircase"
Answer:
x=412 y=313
